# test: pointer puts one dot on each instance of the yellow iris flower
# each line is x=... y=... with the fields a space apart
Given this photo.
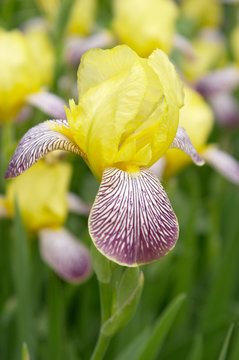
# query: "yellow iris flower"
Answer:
x=209 y=54
x=145 y=25
x=42 y=196
x=197 y=118
x=125 y=120
x=22 y=70
x=203 y=12
x=235 y=43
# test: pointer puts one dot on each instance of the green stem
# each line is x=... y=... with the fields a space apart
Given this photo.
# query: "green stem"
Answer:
x=103 y=341
x=7 y=140
x=100 y=348
x=105 y=301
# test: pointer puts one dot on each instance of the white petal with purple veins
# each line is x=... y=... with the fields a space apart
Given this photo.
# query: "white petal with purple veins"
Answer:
x=65 y=254
x=36 y=143
x=183 y=142
x=49 y=103
x=132 y=221
x=224 y=163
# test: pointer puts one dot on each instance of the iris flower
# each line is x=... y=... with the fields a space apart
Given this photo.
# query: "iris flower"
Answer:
x=125 y=120
x=197 y=118
x=42 y=196
x=24 y=75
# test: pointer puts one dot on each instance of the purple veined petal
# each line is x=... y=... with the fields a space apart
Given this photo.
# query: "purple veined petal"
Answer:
x=77 y=205
x=222 y=80
x=184 y=45
x=132 y=221
x=159 y=167
x=65 y=254
x=183 y=142
x=37 y=142
x=224 y=163
x=50 y=104
x=77 y=46
x=226 y=109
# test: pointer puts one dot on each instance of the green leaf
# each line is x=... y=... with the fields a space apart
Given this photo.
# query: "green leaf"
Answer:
x=25 y=353
x=127 y=298
x=224 y=349
x=161 y=329
x=133 y=350
x=197 y=348
x=22 y=284
x=101 y=265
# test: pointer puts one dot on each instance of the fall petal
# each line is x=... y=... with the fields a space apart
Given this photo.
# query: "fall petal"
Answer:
x=132 y=221
x=65 y=254
x=37 y=142
x=77 y=205
x=50 y=104
x=224 y=163
x=159 y=167
x=183 y=142
x=226 y=109
x=222 y=80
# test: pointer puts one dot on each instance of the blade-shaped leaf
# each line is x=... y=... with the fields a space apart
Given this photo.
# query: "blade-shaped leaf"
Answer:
x=161 y=329
x=225 y=346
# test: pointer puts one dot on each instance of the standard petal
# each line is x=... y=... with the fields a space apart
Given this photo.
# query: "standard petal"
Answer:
x=224 y=163
x=183 y=142
x=65 y=254
x=49 y=103
x=37 y=142
x=132 y=221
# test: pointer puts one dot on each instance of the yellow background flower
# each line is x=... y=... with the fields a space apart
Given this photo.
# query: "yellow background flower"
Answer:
x=196 y=117
x=22 y=70
x=41 y=193
x=145 y=25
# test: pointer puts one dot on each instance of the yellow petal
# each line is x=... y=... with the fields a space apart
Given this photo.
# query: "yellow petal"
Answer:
x=99 y=65
x=41 y=194
x=19 y=75
x=145 y=25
